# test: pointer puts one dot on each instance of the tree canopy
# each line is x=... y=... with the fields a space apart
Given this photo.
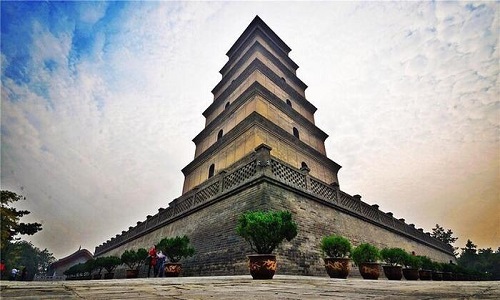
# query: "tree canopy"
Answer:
x=445 y=236
x=11 y=224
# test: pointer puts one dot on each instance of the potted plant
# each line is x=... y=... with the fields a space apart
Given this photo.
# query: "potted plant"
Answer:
x=264 y=231
x=393 y=257
x=437 y=274
x=110 y=263
x=366 y=256
x=448 y=270
x=134 y=259
x=337 y=250
x=426 y=272
x=175 y=249
x=412 y=265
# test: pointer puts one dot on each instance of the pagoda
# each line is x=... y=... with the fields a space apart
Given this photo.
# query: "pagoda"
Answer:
x=260 y=149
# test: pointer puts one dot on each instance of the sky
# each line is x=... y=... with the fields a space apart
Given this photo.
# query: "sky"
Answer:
x=100 y=102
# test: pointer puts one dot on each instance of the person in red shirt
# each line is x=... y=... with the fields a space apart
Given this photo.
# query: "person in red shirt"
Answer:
x=2 y=269
x=152 y=261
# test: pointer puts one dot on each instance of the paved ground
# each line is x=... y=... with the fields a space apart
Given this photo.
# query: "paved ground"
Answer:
x=243 y=287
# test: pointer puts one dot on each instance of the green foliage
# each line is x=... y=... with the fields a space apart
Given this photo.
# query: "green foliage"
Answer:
x=336 y=246
x=264 y=231
x=482 y=261
x=99 y=264
x=412 y=261
x=176 y=248
x=10 y=224
x=445 y=236
x=393 y=256
x=436 y=266
x=426 y=262
x=110 y=263
x=365 y=253
x=25 y=254
x=134 y=259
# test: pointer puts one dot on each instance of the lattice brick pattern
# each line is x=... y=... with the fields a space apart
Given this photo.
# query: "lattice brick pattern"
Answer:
x=323 y=190
x=240 y=175
x=182 y=206
x=399 y=225
x=206 y=193
x=369 y=211
x=387 y=220
x=349 y=202
x=288 y=174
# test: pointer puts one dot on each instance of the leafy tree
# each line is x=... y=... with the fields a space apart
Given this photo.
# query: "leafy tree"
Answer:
x=10 y=219
x=264 y=231
x=445 y=236
x=22 y=254
x=176 y=248
x=480 y=261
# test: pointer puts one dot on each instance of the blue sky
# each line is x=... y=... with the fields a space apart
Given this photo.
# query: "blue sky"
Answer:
x=100 y=101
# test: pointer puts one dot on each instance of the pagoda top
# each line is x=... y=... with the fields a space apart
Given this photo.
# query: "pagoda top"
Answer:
x=258 y=23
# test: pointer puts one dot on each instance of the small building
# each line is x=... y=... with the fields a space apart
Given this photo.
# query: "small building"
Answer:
x=57 y=268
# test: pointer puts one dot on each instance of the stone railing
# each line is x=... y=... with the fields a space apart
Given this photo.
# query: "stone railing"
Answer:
x=262 y=164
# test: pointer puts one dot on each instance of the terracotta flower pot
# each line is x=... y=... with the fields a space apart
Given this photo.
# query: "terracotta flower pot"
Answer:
x=337 y=267
x=411 y=274
x=262 y=266
x=173 y=269
x=447 y=276
x=437 y=276
x=393 y=272
x=369 y=270
x=132 y=273
x=425 y=275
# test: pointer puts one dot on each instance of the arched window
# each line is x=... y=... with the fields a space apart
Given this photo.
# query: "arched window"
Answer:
x=211 y=170
x=296 y=132
x=227 y=105
x=219 y=135
x=289 y=102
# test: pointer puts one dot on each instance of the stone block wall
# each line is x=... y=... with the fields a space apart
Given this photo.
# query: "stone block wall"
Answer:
x=208 y=216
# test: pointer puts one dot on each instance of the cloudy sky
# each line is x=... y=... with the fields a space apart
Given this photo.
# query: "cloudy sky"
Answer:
x=100 y=101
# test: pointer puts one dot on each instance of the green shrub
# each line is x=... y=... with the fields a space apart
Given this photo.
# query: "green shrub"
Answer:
x=336 y=246
x=426 y=263
x=393 y=256
x=365 y=253
x=264 y=231
x=134 y=259
x=412 y=261
x=176 y=248
x=110 y=263
x=437 y=266
x=98 y=263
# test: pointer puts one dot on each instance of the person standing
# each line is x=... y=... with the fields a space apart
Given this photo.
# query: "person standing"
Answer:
x=152 y=261
x=13 y=274
x=161 y=263
x=2 y=269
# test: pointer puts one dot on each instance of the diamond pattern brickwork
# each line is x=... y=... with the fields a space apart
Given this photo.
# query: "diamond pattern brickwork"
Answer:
x=288 y=174
x=240 y=175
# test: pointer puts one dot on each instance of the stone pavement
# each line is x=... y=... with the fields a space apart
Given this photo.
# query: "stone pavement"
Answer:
x=243 y=287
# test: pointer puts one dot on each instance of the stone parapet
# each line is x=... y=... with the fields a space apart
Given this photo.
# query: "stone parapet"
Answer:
x=258 y=166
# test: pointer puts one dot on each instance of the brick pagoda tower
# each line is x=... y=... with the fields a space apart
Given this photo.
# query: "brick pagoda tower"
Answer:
x=259 y=100
x=261 y=150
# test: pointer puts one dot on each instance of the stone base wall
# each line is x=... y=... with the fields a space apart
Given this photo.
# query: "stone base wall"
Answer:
x=220 y=251
x=208 y=216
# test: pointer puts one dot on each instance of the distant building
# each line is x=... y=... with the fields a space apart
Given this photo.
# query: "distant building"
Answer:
x=57 y=268
x=261 y=150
